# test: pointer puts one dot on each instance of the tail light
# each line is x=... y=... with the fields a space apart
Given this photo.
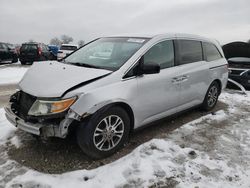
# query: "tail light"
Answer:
x=39 y=51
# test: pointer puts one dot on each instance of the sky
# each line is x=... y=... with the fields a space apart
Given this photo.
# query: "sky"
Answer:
x=22 y=20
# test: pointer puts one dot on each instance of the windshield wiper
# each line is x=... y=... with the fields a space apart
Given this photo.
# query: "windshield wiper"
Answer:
x=85 y=65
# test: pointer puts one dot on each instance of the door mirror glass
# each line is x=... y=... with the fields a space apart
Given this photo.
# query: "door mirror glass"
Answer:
x=151 y=68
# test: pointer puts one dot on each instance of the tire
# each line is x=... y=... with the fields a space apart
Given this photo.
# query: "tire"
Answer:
x=211 y=97
x=100 y=146
x=23 y=62
x=14 y=60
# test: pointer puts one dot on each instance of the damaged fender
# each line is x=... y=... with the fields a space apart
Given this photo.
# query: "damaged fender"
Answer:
x=89 y=103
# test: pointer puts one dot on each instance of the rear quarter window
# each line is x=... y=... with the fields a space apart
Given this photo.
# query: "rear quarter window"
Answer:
x=188 y=51
x=211 y=52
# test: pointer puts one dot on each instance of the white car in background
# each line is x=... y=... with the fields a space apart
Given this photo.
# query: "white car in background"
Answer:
x=66 y=49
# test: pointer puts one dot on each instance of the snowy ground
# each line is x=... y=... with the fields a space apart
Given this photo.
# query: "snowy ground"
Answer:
x=11 y=74
x=212 y=151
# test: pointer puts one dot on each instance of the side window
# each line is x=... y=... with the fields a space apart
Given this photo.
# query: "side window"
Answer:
x=132 y=72
x=211 y=52
x=1 y=47
x=4 y=46
x=188 y=51
x=161 y=53
x=44 y=48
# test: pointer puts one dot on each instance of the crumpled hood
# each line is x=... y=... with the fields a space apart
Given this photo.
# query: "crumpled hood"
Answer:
x=52 y=79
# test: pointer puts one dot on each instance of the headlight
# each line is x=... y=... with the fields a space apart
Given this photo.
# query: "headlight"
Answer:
x=41 y=107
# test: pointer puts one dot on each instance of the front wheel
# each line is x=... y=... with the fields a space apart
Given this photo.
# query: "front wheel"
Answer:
x=211 y=97
x=23 y=62
x=104 y=133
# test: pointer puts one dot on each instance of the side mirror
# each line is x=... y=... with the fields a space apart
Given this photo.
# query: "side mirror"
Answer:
x=150 y=68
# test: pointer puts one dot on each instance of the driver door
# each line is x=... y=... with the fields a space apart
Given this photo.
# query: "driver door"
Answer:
x=158 y=93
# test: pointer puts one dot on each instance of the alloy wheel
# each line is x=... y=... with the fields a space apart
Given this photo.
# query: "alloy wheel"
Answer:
x=108 y=133
x=212 y=96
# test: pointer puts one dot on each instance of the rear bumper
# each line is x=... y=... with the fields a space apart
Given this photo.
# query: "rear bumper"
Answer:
x=29 y=59
x=46 y=130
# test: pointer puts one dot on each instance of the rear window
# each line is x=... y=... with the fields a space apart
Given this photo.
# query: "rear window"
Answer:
x=72 y=48
x=189 y=51
x=29 y=47
x=211 y=52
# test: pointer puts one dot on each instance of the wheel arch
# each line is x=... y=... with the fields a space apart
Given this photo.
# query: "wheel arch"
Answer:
x=125 y=107
x=130 y=112
x=219 y=83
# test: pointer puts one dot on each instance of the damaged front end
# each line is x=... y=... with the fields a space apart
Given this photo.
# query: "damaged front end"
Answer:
x=43 y=117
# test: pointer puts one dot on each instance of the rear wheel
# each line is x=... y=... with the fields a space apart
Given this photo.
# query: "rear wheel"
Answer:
x=23 y=62
x=211 y=97
x=104 y=133
x=14 y=60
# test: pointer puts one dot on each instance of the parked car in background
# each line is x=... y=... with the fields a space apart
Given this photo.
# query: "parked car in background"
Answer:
x=65 y=50
x=54 y=50
x=240 y=70
x=8 y=53
x=114 y=85
x=33 y=51
x=238 y=56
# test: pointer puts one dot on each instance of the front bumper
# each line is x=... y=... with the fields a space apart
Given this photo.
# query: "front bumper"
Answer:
x=46 y=130
x=241 y=76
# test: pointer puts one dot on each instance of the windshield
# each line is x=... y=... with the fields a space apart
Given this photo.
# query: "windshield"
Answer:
x=106 y=53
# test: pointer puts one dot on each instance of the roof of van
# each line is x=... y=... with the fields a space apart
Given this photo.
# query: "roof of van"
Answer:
x=170 y=35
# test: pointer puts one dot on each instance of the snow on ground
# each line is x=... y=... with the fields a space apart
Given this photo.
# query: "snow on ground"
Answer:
x=212 y=151
x=6 y=131
x=10 y=75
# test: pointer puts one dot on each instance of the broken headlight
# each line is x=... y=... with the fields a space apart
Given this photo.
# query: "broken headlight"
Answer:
x=42 y=107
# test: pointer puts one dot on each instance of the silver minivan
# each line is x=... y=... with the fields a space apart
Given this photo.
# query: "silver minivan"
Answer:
x=114 y=85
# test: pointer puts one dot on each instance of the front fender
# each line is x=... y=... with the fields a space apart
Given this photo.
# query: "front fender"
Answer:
x=90 y=102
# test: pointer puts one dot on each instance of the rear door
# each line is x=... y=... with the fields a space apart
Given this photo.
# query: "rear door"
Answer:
x=29 y=51
x=158 y=94
x=3 y=52
x=8 y=52
x=193 y=75
x=46 y=52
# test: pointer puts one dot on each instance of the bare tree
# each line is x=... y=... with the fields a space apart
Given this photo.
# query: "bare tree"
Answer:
x=81 y=43
x=66 y=39
x=55 y=41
